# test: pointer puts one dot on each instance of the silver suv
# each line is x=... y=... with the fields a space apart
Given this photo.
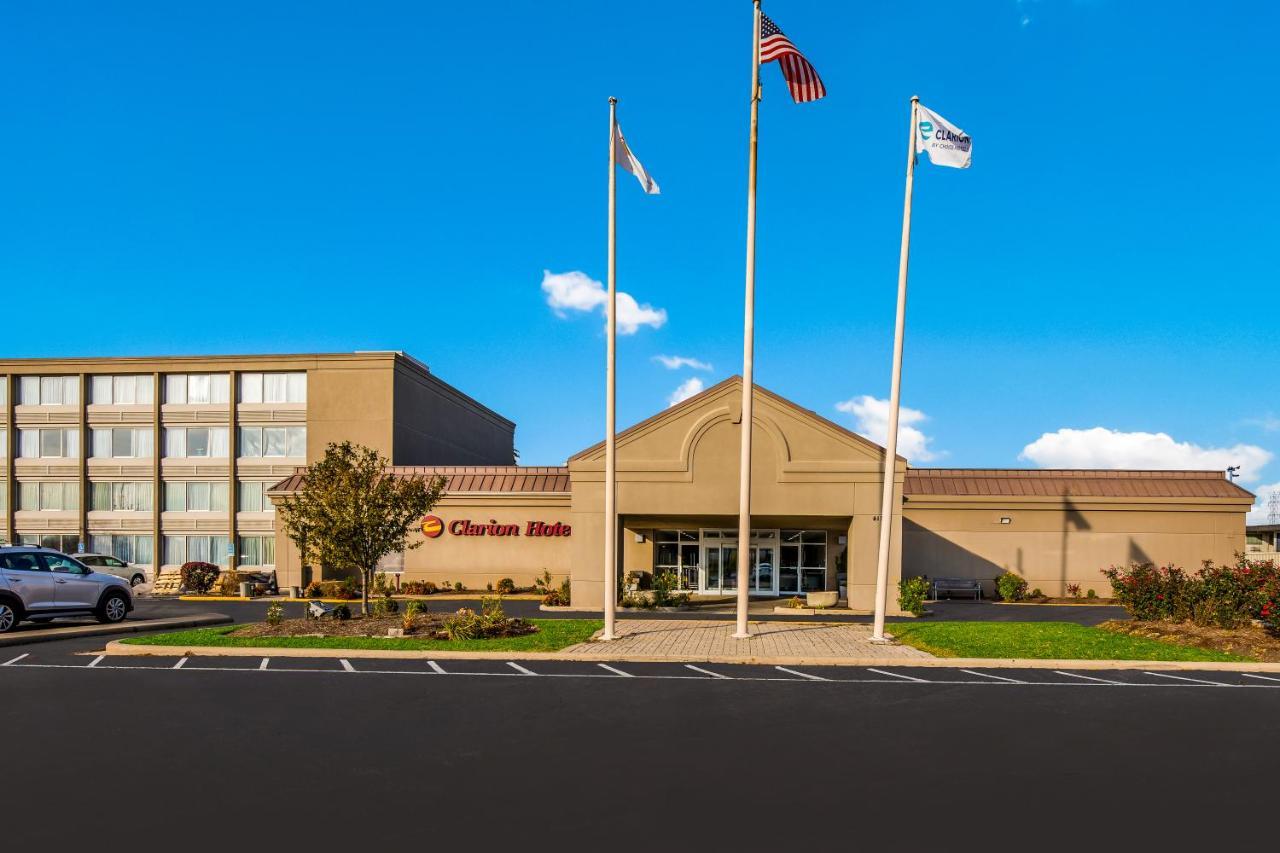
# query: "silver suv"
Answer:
x=40 y=584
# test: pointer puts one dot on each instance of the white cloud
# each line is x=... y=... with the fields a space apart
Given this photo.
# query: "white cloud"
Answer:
x=576 y=291
x=871 y=419
x=1261 y=512
x=675 y=362
x=685 y=390
x=1100 y=447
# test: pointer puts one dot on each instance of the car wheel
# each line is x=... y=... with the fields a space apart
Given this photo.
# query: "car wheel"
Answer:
x=113 y=608
x=8 y=617
x=137 y=579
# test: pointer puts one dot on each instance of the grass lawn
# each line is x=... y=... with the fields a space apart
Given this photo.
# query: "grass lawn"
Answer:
x=552 y=635
x=1064 y=640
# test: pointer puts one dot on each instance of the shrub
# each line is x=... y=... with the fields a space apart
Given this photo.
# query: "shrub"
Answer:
x=275 y=613
x=1224 y=596
x=635 y=599
x=558 y=597
x=1092 y=593
x=506 y=586
x=912 y=593
x=314 y=590
x=795 y=602
x=1036 y=593
x=380 y=586
x=199 y=577
x=458 y=587
x=491 y=621
x=1073 y=590
x=342 y=613
x=542 y=585
x=410 y=615
x=666 y=592
x=1011 y=587
x=384 y=606
x=229 y=583
x=418 y=587
x=346 y=590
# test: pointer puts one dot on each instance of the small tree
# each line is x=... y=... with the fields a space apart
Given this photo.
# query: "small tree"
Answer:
x=350 y=512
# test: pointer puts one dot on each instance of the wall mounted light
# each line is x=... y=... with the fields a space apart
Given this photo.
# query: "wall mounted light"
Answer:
x=1004 y=519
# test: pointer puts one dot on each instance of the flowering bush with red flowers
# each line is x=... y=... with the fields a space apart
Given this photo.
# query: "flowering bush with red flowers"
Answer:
x=1222 y=596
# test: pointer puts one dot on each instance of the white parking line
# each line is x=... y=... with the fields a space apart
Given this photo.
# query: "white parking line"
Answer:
x=346 y=664
x=1092 y=678
x=705 y=671
x=615 y=670
x=520 y=669
x=436 y=668
x=801 y=674
x=264 y=663
x=1263 y=677
x=15 y=660
x=996 y=677
x=181 y=663
x=1192 y=680
x=898 y=675
x=96 y=660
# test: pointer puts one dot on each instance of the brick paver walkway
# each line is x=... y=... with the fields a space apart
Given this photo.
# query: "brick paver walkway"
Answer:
x=687 y=640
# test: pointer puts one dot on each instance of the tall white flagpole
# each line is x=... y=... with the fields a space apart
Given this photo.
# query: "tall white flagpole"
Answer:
x=748 y=347
x=895 y=394
x=610 y=395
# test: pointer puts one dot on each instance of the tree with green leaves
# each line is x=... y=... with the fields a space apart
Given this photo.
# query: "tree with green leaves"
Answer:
x=351 y=511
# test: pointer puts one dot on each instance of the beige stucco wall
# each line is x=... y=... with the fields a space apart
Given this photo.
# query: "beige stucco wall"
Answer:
x=1051 y=543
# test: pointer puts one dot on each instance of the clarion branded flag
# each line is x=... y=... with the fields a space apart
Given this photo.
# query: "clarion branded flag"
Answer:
x=628 y=161
x=946 y=144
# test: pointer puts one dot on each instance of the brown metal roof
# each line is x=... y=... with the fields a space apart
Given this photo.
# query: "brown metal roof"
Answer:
x=471 y=478
x=1016 y=482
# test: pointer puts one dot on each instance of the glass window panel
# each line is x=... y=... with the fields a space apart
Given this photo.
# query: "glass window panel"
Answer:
x=251 y=441
x=175 y=550
x=814 y=536
x=812 y=580
x=297 y=437
x=122 y=442
x=71 y=394
x=791 y=536
x=29 y=443
x=50 y=390
x=197 y=497
x=143 y=442
x=175 y=442
x=218 y=497
x=220 y=388
x=125 y=390
x=274 y=387
x=100 y=390
x=250 y=496
x=249 y=555
x=29 y=496
x=142 y=549
x=218 y=550
x=688 y=536
x=813 y=556
x=198 y=388
x=50 y=496
x=144 y=390
x=789 y=556
x=197 y=442
x=297 y=390
x=250 y=387
x=71 y=443
x=29 y=390
x=50 y=442
x=101 y=443
x=100 y=543
x=143 y=494
x=101 y=499
x=175 y=497
x=273 y=441
x=175 y=391
x=219 y=446
x=666 y=555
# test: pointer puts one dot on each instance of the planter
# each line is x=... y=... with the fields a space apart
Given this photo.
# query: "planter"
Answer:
x=820 y=600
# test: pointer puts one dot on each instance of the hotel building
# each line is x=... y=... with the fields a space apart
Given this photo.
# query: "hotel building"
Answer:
x=164 y=460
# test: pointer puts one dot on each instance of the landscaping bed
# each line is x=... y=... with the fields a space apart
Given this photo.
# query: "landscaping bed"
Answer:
x=1250 y=641
x=550 y=635
x=1045 y=640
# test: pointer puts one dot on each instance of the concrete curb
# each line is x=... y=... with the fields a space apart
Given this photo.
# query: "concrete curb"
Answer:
x=117 y=648
x=49 y=635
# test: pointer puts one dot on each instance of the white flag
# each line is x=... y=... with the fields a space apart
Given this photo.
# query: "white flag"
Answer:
x=628 y=161
x=946 y=144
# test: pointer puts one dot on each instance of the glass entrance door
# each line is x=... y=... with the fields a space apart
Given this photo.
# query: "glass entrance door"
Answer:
x=720 y=567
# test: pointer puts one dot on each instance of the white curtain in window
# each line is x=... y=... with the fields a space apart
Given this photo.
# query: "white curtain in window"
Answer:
x=175 y=442
x=250 y=442
x=297 y=392
x=29 y=443
x=198 y=388
x=250 y=496
x=71 y=443
x=274 y=441
x=218 y=497
x=197 y=497
x=143 y=442
x=29 y=390
x=142 y=550
x=175 y=497
x=250 y=387
x=125 y=390
x=175 y=391
x=100 y=390
x=29 y=496
x=101 y=443
x=297 y=442
x=175 y=550
x=219 y=442
x=275 y=387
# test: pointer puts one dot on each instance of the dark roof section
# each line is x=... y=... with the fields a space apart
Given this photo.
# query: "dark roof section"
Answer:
x=471 y=478
x=737 y=380
x=1019 y=482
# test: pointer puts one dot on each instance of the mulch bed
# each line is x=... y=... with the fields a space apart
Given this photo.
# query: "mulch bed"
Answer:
x=424 y=626
x=1248 y=641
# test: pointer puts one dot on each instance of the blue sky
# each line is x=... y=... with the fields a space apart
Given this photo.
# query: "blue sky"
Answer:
x=244 y=177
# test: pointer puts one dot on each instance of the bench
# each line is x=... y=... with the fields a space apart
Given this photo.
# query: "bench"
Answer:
x=954 y=585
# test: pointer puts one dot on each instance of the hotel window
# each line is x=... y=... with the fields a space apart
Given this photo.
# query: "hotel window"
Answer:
x=136 y=496
x=67 y=543
x=49 y=390
x=263 y=442
x=257 y=550
x=55 y=496
x=190 y=549
x=802 y=561
x=253 y=497
x=195 y=496
x=273 y=387
x=49 y=443
x=122 y=390
x=197 y=388
x=128 y=547
x=123 y=443
x=677 y=551
x=196 y=442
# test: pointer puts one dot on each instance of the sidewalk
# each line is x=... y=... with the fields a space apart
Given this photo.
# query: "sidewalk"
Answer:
x=703 y=640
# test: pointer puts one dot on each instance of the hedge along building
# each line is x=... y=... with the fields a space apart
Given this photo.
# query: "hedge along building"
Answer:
x=815 y=513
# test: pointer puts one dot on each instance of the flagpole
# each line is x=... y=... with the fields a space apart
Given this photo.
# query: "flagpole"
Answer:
x=610 y=394
x=748 y=348
x=895 y=394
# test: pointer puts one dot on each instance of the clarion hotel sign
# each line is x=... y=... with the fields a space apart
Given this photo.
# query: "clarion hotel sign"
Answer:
x=433 y=526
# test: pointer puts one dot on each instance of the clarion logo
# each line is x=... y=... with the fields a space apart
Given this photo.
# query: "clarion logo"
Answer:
x=432 y=526
x=926 y=129
x=467 y=527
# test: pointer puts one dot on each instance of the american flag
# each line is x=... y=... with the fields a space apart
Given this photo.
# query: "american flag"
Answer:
x=802 y=78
